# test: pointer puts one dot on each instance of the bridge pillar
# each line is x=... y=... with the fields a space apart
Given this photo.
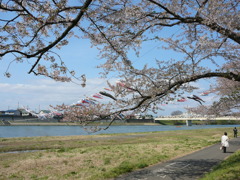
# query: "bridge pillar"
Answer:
x=188 y=122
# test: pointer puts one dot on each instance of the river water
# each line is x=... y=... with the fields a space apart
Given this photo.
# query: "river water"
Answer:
x=30 y=131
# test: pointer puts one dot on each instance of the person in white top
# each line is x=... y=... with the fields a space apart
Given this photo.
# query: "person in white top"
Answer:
x=224 y=142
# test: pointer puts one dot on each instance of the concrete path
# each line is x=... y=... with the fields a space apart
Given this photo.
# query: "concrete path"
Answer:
x=189 y=167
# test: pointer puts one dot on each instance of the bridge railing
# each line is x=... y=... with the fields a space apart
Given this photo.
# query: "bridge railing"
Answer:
x=197 y=118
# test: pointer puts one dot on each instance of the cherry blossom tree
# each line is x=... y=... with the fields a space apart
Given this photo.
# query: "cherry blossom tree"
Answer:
x=176 y=113
x=31 y=30
x=203 y=33
x=229 y=92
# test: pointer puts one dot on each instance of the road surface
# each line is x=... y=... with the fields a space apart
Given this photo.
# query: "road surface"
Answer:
x=189 y=167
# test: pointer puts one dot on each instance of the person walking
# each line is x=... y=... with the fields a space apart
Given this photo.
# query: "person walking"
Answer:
x=235 y=131
x=224 y=142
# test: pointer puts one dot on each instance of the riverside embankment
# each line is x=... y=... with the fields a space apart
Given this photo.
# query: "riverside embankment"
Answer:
x=98 y=156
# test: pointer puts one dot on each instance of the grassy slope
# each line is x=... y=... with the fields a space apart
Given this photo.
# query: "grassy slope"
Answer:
x=227 y=170
x=97 y=157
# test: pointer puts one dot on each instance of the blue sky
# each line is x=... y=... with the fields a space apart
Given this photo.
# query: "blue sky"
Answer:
x=38 y=92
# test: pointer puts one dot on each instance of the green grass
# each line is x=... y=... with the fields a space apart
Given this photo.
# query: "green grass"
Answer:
x=227 y=170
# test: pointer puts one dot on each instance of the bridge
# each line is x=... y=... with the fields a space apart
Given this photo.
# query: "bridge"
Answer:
x=190 y=119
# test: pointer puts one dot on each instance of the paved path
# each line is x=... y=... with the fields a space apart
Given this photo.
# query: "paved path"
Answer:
x=189 y=167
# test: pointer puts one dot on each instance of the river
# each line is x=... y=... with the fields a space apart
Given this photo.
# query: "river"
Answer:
x=31 y=131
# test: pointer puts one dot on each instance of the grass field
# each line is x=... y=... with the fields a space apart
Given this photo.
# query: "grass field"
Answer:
x=97 y=157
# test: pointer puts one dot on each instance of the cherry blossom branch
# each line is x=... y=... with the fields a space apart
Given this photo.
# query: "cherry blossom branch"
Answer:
x=212 y=25
x=178 y=84
x=63 y=35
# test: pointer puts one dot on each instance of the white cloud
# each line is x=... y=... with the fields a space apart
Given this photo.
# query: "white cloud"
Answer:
x=40 y=93
x=45 y=92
